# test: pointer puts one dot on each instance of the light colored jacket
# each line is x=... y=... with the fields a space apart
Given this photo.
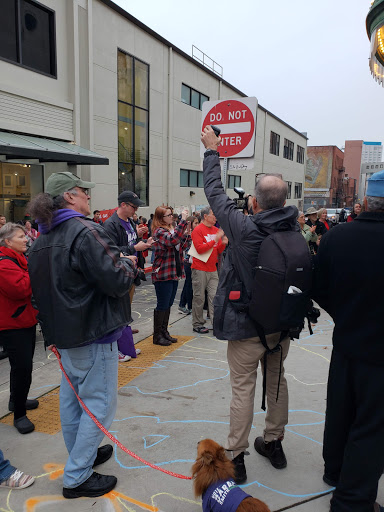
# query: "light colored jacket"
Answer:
x=308 y=236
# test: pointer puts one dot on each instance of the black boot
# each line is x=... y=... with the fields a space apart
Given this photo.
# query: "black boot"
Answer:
x=164 y=331
x=273 y=451
x=158 y=338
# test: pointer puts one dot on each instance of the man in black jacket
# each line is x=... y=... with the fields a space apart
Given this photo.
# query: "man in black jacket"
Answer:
x=350 y=288
x=80 y=282
x=245 y=350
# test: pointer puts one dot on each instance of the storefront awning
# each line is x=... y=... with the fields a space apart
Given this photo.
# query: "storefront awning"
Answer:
x=16 y=146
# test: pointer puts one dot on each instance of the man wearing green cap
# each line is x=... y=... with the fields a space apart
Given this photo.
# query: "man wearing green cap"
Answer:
x=80 y=282
x=351 y=291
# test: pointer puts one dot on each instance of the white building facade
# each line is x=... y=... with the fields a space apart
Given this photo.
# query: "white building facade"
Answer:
x=372 y=152
x=86 y=87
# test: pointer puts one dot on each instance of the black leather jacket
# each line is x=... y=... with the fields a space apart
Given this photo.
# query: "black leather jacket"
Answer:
x=80 y=283
x=118 y=234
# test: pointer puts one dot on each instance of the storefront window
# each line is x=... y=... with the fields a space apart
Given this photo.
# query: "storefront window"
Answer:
x=18 y=184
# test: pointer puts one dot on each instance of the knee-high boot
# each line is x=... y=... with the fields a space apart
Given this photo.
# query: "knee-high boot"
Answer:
x=165 y=332
x=158 y=338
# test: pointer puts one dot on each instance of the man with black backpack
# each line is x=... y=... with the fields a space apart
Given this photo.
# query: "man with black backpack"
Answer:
x=262 y=293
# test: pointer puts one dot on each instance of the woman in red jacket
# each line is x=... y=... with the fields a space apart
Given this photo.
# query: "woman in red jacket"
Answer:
x=167 y=267
x=17 y=321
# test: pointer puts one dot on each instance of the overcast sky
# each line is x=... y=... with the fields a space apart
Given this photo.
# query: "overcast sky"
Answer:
x=305 y=61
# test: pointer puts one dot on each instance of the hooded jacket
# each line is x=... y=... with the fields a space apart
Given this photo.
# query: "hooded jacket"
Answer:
x=79 y=281
x=245 y=234
x=15 y=292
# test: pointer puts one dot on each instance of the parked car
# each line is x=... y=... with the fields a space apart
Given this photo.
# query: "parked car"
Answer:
x=333 y=214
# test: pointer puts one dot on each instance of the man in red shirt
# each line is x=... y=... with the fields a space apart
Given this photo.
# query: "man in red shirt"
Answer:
x=204 y=274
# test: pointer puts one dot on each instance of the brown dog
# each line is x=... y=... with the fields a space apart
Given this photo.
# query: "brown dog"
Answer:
x=213 y=475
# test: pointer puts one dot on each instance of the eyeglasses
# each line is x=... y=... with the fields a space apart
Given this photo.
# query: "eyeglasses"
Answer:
x=132 y=206
x=86 y=191
x=169 y=215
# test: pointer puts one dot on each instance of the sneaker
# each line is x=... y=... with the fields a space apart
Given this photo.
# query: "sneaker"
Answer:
x=240 y=471
x=96 y=485
x=138 y=351
x=24 y=425
x=183 y=310
x=29 y=405
x=201 y=330
x=123 y=357
x=18 y=480
x=273 y=451
x=104 y=453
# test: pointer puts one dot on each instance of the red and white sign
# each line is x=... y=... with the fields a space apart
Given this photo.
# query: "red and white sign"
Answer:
x=237 y=121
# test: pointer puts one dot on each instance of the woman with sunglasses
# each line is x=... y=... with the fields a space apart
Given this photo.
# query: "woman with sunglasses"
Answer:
x=167 y=268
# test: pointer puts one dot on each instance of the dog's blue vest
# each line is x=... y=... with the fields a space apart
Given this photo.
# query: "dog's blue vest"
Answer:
x=223 y=496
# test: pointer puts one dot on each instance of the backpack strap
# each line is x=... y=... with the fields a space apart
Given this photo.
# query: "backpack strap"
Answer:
x=11 y=259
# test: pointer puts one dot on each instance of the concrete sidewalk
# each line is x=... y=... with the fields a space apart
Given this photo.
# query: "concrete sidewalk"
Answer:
x=164 y=412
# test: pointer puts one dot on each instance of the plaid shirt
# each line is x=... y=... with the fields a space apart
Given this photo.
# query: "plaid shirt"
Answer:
x=164 y=264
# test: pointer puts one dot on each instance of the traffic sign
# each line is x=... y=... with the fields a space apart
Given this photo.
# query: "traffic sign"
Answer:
x=237 y=121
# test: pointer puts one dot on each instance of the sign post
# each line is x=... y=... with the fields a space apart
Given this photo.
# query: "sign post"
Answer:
x=236 y=119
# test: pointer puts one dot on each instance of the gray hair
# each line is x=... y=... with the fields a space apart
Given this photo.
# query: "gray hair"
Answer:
x=375 y=204
x=271 y=191
x=8 y=231
x=300 y=214
x=205 y=211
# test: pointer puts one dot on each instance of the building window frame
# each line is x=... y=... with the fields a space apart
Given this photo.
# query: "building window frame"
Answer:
x=131 y=163
x=298 y=190
x=190 y=90
x=289 y=148
x=191 y=182
x=300 y=155
x=233 y=180
x=52 y=39
x=289 y=189
x=274 y=144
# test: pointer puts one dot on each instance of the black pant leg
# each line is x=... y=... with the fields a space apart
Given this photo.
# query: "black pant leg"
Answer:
x=364 y=451
x=20 y=345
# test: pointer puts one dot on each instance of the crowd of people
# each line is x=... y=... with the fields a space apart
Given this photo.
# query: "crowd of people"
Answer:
x=216 y=251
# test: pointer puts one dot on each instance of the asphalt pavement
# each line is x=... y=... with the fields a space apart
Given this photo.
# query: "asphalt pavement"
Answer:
x=168 y=400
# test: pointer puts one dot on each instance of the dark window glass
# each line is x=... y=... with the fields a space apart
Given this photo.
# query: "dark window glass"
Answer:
x=141 y=181
x=274 y=144
x=193 y=178
x=125 y=133
x=288 y=149
x=298 y=190
x=141 y=84
x=8 y=32
x=238 y=181
x=126 y=181
x=37 y=35
x=141 y=131
x=195 y=99
x=203 y=98
x=289 y=192
x=185 y=94
x=300 y=155
x=200 y=183
x=184 y=178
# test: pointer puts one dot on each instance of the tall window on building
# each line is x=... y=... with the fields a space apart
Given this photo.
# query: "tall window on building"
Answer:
x=27 y=35
x=300 y=155
x=288 y=149
x=289 y=192
x=298 y=190
x=274 y=144
x=233 y=181
x=133 y=125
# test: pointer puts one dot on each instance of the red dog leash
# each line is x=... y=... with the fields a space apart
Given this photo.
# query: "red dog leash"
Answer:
x=108 y=434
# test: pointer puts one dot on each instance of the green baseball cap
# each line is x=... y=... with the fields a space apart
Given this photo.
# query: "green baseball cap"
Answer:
x=61 y=182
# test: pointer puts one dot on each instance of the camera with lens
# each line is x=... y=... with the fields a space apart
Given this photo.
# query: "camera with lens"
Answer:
x=241 y=202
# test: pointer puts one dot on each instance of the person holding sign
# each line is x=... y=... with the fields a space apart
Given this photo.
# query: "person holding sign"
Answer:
x=208 y=242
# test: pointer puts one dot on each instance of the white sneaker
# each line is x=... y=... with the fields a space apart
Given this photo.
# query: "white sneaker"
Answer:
x=138 y=351
x=18 y=480
x=123 y=357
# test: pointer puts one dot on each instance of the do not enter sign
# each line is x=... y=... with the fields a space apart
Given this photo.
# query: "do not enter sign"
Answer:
x=236 y=120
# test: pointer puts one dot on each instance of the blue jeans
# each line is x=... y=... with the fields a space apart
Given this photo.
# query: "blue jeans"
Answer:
x=93 y=372
x=6 y=469
x=165 y=293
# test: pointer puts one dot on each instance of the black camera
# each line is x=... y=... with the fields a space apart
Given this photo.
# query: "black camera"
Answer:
x=241 y=202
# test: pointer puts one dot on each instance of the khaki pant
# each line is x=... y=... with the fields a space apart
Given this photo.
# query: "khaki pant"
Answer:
x=202 y=281
x=243 y=359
